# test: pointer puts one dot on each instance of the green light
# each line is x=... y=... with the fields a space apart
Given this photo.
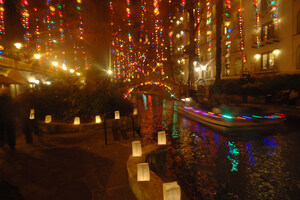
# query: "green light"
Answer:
x=78 y=8
x=259 y=117
x=227 y=116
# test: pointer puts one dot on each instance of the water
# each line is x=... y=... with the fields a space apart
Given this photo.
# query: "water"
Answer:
x=210 y=165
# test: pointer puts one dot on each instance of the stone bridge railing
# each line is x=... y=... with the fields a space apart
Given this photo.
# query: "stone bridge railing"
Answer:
x=22 y=66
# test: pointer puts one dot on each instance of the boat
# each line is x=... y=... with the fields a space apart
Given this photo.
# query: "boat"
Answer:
x=233 y=121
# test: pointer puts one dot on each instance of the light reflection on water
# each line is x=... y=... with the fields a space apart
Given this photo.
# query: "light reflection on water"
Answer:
x=209 y=165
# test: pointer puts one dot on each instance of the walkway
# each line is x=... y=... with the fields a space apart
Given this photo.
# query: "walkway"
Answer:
x=68 y=166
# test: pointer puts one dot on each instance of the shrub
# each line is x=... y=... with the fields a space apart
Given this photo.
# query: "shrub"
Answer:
x=65 y=100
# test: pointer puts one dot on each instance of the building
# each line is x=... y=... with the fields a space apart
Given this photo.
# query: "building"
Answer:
x=43 y=38
x=260 y=37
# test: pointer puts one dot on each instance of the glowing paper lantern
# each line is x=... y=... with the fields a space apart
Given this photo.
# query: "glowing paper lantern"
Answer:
x=162 y=139
x=31 y=116
x=76 y=121
x=143 y=172
x=117 y=114
x=171 y=191
x=136 y=149
x=135 y=111
x=48 y=119
x=98 y=119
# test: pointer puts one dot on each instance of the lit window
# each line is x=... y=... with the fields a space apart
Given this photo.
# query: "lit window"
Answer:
x=298 y=58
x=267 y=31
x=268 y=61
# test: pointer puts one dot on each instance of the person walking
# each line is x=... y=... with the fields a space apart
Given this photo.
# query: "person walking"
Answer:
x=7 y=121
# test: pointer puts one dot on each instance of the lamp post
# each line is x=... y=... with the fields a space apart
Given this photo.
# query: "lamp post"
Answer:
x=18 y=45
x=117 y=116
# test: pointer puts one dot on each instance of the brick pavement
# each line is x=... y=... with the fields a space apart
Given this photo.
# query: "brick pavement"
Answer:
x=68 y=166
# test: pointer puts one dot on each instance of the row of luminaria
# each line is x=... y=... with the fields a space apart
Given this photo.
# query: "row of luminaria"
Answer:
x=171 y=191
x=98 y=120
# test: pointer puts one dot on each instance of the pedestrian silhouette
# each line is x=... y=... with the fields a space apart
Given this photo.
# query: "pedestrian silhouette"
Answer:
x=27 y=117
x=7 y=121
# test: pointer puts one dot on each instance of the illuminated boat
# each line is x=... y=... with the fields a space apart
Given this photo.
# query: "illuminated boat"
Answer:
x=240 y=122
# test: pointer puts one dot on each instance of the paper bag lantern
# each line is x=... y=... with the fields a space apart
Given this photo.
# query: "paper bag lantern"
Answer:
x=31 y=115
x=136 y=149
x=143 y=172
x=171 y=191
x=48 y=119
x=135 y=111
x=117 y=114
x=161 y=136
x=76 y=121
x=98 y=119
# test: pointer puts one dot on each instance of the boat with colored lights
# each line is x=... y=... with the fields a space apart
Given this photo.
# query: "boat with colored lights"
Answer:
x=261 y=121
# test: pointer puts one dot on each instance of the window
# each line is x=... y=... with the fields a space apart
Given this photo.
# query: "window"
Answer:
x=267 y=31
x=267 y=61
x=298 y=58
x=298 y=23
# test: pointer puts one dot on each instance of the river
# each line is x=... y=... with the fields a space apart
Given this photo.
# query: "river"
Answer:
x=210 y=165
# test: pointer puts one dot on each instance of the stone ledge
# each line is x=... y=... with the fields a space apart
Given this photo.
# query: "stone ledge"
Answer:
x=150 y=190
x=59 y=127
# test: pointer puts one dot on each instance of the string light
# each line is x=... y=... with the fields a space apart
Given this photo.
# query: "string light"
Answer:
x=255 y=4
x=273 y=4
x=208 y=23
x=25 y=25
x=159 y=84
x=2 y=21
x=37 y=35
x=228 y=35
x=198 y=31
x=242 y=45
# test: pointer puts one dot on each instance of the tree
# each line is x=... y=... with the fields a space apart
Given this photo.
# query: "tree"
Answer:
x=219 y=20
x=193 y=25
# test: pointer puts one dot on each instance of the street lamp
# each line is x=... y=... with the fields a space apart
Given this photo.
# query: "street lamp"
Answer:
x=18 y=45
x=64 y=67
x=55 y=64
x=37 y=56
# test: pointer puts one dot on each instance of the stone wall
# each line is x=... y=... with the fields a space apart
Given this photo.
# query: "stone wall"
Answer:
x=149 y=190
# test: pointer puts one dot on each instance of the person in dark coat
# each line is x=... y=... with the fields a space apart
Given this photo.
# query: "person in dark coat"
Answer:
x=7 y=121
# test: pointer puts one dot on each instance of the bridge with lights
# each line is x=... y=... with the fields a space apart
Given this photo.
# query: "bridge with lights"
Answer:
x=11 y=63
x=163 y=87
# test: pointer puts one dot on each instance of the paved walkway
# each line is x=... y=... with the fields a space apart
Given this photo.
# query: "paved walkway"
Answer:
x=68 y=166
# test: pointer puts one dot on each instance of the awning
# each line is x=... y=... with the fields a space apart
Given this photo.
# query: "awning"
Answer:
x=6 y=80
x=15 y=75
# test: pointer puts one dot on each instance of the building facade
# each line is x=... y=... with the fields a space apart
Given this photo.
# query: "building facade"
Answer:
x=259 y=37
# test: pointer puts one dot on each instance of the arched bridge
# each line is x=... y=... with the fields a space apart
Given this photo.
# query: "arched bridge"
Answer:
x=163 y=85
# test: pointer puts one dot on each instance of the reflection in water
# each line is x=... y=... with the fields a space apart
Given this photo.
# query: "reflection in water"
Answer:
x=209 y=165
x=233 y=156
x=145 y=101
x=250 y=152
